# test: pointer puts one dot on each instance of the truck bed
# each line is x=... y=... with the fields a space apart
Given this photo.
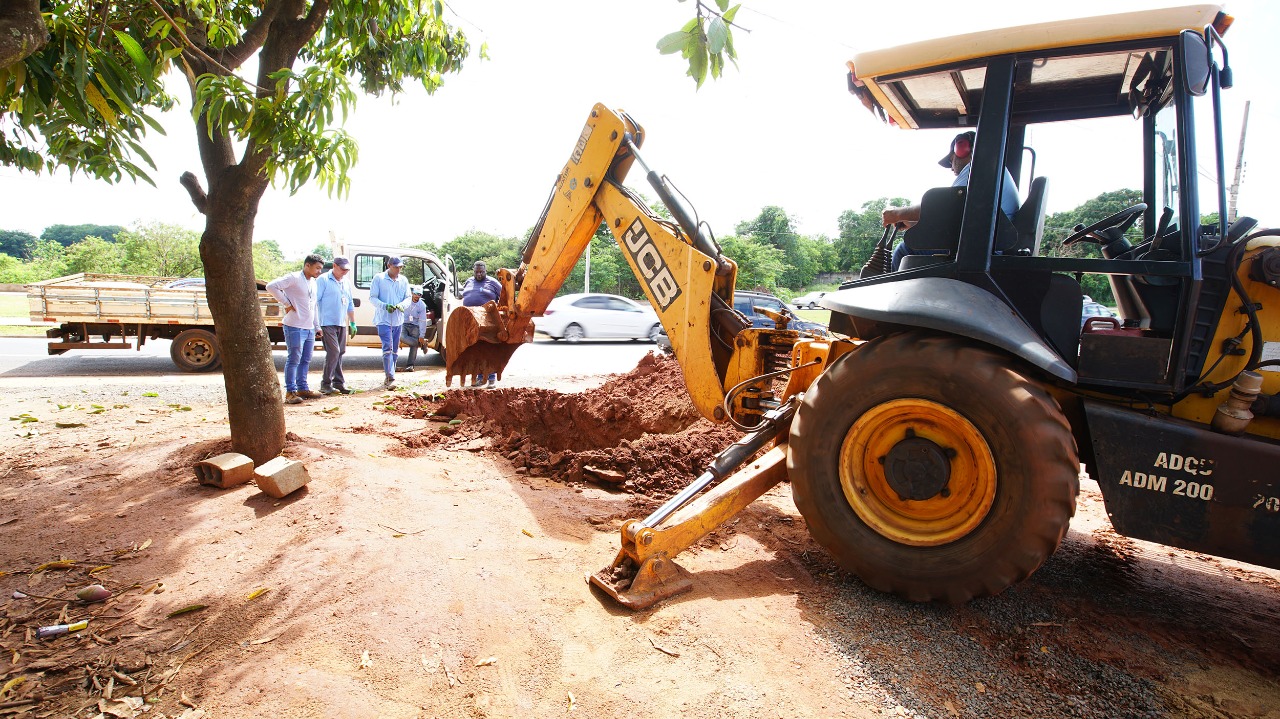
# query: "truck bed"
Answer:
x=128 y=299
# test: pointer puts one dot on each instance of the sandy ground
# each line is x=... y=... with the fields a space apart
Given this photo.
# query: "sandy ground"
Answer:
x=436 y=578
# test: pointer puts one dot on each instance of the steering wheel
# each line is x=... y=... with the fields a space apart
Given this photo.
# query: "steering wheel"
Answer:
x=1118 y=223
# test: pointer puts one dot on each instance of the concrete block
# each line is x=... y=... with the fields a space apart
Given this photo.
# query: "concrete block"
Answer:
x=281 y=476
x=225 y=471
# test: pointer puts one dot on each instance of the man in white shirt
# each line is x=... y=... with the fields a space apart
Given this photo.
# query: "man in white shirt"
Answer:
x=296 y=292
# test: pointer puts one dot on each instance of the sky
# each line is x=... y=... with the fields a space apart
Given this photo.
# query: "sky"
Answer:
x=780 y=129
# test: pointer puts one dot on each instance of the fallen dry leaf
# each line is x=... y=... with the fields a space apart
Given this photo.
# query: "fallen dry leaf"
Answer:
x=487 y=662
x=185 y=610
x=59 y=564
x=365 y=661
x=144 y=546
x=572 y=700
x=982 y=688
x=264 y=640
x=257 y=593
x=185 y=701
x=526 y=533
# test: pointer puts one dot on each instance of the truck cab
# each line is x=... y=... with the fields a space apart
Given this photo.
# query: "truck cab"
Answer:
x=435 y=276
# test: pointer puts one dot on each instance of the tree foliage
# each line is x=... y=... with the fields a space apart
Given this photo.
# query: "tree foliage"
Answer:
x=15 y=243
x=802 y=257
x=67 y=235
x=477 y=246
x=760 y=263
x=706 y=41
x=860 y=231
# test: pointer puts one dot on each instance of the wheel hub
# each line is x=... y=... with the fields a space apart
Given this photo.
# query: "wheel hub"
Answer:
x=917 y=472
x=917 y=468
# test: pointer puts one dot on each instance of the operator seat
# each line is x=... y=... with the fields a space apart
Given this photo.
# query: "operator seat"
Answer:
x=938 y=230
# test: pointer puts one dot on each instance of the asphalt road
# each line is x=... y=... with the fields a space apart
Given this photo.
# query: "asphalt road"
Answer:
x=22 y=357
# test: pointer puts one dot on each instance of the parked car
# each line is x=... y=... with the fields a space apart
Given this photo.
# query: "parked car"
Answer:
x=1093 y=309
x=808 y=301
x=597 y=316
x=746 y=302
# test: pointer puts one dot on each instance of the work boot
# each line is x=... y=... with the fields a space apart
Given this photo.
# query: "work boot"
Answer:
x=491 y=384
x=477 y=381
x=326 y=391
x=309 y=394
x=389 y=383
x=408 y=368
x=343 y=390
x=292 y=398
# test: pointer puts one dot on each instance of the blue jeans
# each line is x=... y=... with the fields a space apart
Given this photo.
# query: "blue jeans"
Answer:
x=390 y=337
x=300 y=341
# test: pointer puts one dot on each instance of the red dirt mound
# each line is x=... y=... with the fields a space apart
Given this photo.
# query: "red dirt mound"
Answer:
x=638 y=432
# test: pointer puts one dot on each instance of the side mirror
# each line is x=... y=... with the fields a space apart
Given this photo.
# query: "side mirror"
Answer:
x=1195 y=60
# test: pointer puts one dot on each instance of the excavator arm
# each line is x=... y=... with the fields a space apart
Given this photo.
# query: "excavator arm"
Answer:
x=729 y=367
x=686 y=278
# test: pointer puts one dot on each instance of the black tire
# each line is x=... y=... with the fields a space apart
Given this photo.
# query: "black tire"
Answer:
x=1009 y=493
x=654 y=333
x=574 y=333
x=196 y=351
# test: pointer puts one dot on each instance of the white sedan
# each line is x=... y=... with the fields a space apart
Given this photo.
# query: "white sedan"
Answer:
x=809 y=301
x=596 y=316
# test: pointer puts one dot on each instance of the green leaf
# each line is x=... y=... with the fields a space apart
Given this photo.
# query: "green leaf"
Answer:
x=731 y=13
x=150 y=394
x=134 y=50
x=717 y=35
x=722 y=4
x=673 y=43
x=698 y=62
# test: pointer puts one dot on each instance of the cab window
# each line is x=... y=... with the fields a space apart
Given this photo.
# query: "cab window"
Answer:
x=366 y=267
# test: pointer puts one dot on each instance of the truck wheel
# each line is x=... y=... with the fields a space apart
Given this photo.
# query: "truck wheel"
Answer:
x=196 y=351
x=932 y=468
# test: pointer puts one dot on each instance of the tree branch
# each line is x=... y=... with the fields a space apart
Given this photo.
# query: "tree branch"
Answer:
x=22 y=30
x=198 y=196
x=197 y=49
x=254 y=36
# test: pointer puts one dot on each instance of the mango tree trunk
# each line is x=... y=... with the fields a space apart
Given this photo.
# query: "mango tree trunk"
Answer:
x=254 y=407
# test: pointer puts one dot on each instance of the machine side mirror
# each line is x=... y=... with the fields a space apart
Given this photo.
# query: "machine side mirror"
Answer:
x=1195 y=61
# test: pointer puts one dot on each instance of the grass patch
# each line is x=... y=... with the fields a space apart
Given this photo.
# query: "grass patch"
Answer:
x=822 y=316
x=22 y=331
x=13 y=304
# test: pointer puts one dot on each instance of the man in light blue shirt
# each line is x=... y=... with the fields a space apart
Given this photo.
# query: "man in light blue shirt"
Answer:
x=337 y=322
x=389 y=293
x=415 y=325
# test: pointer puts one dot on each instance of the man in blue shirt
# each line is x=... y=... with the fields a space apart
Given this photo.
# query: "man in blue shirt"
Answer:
x=389 y=293
x=337 y=323
x=415 y=326
x=958 y=160
x=479 y=289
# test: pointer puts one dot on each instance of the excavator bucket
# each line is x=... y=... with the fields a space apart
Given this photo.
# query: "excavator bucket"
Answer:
x=481 y=340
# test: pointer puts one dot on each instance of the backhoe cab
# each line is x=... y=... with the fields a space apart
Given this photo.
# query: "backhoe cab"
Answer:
x=934 y=443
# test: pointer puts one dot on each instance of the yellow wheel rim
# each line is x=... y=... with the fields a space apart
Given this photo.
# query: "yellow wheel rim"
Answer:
x=915 y=439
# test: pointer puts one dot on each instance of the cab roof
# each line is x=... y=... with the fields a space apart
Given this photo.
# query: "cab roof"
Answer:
x=874 y=74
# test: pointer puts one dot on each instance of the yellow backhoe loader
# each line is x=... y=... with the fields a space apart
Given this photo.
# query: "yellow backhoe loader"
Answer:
x=933 y=441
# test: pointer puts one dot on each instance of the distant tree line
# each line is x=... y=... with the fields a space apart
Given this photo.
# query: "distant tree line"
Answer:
x=154 y=249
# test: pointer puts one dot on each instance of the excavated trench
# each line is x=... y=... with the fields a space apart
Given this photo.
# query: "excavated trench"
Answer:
x=638 y=432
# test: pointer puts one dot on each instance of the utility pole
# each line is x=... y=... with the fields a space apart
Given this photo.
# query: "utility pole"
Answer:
x=1234 y=191
x=586 y=282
